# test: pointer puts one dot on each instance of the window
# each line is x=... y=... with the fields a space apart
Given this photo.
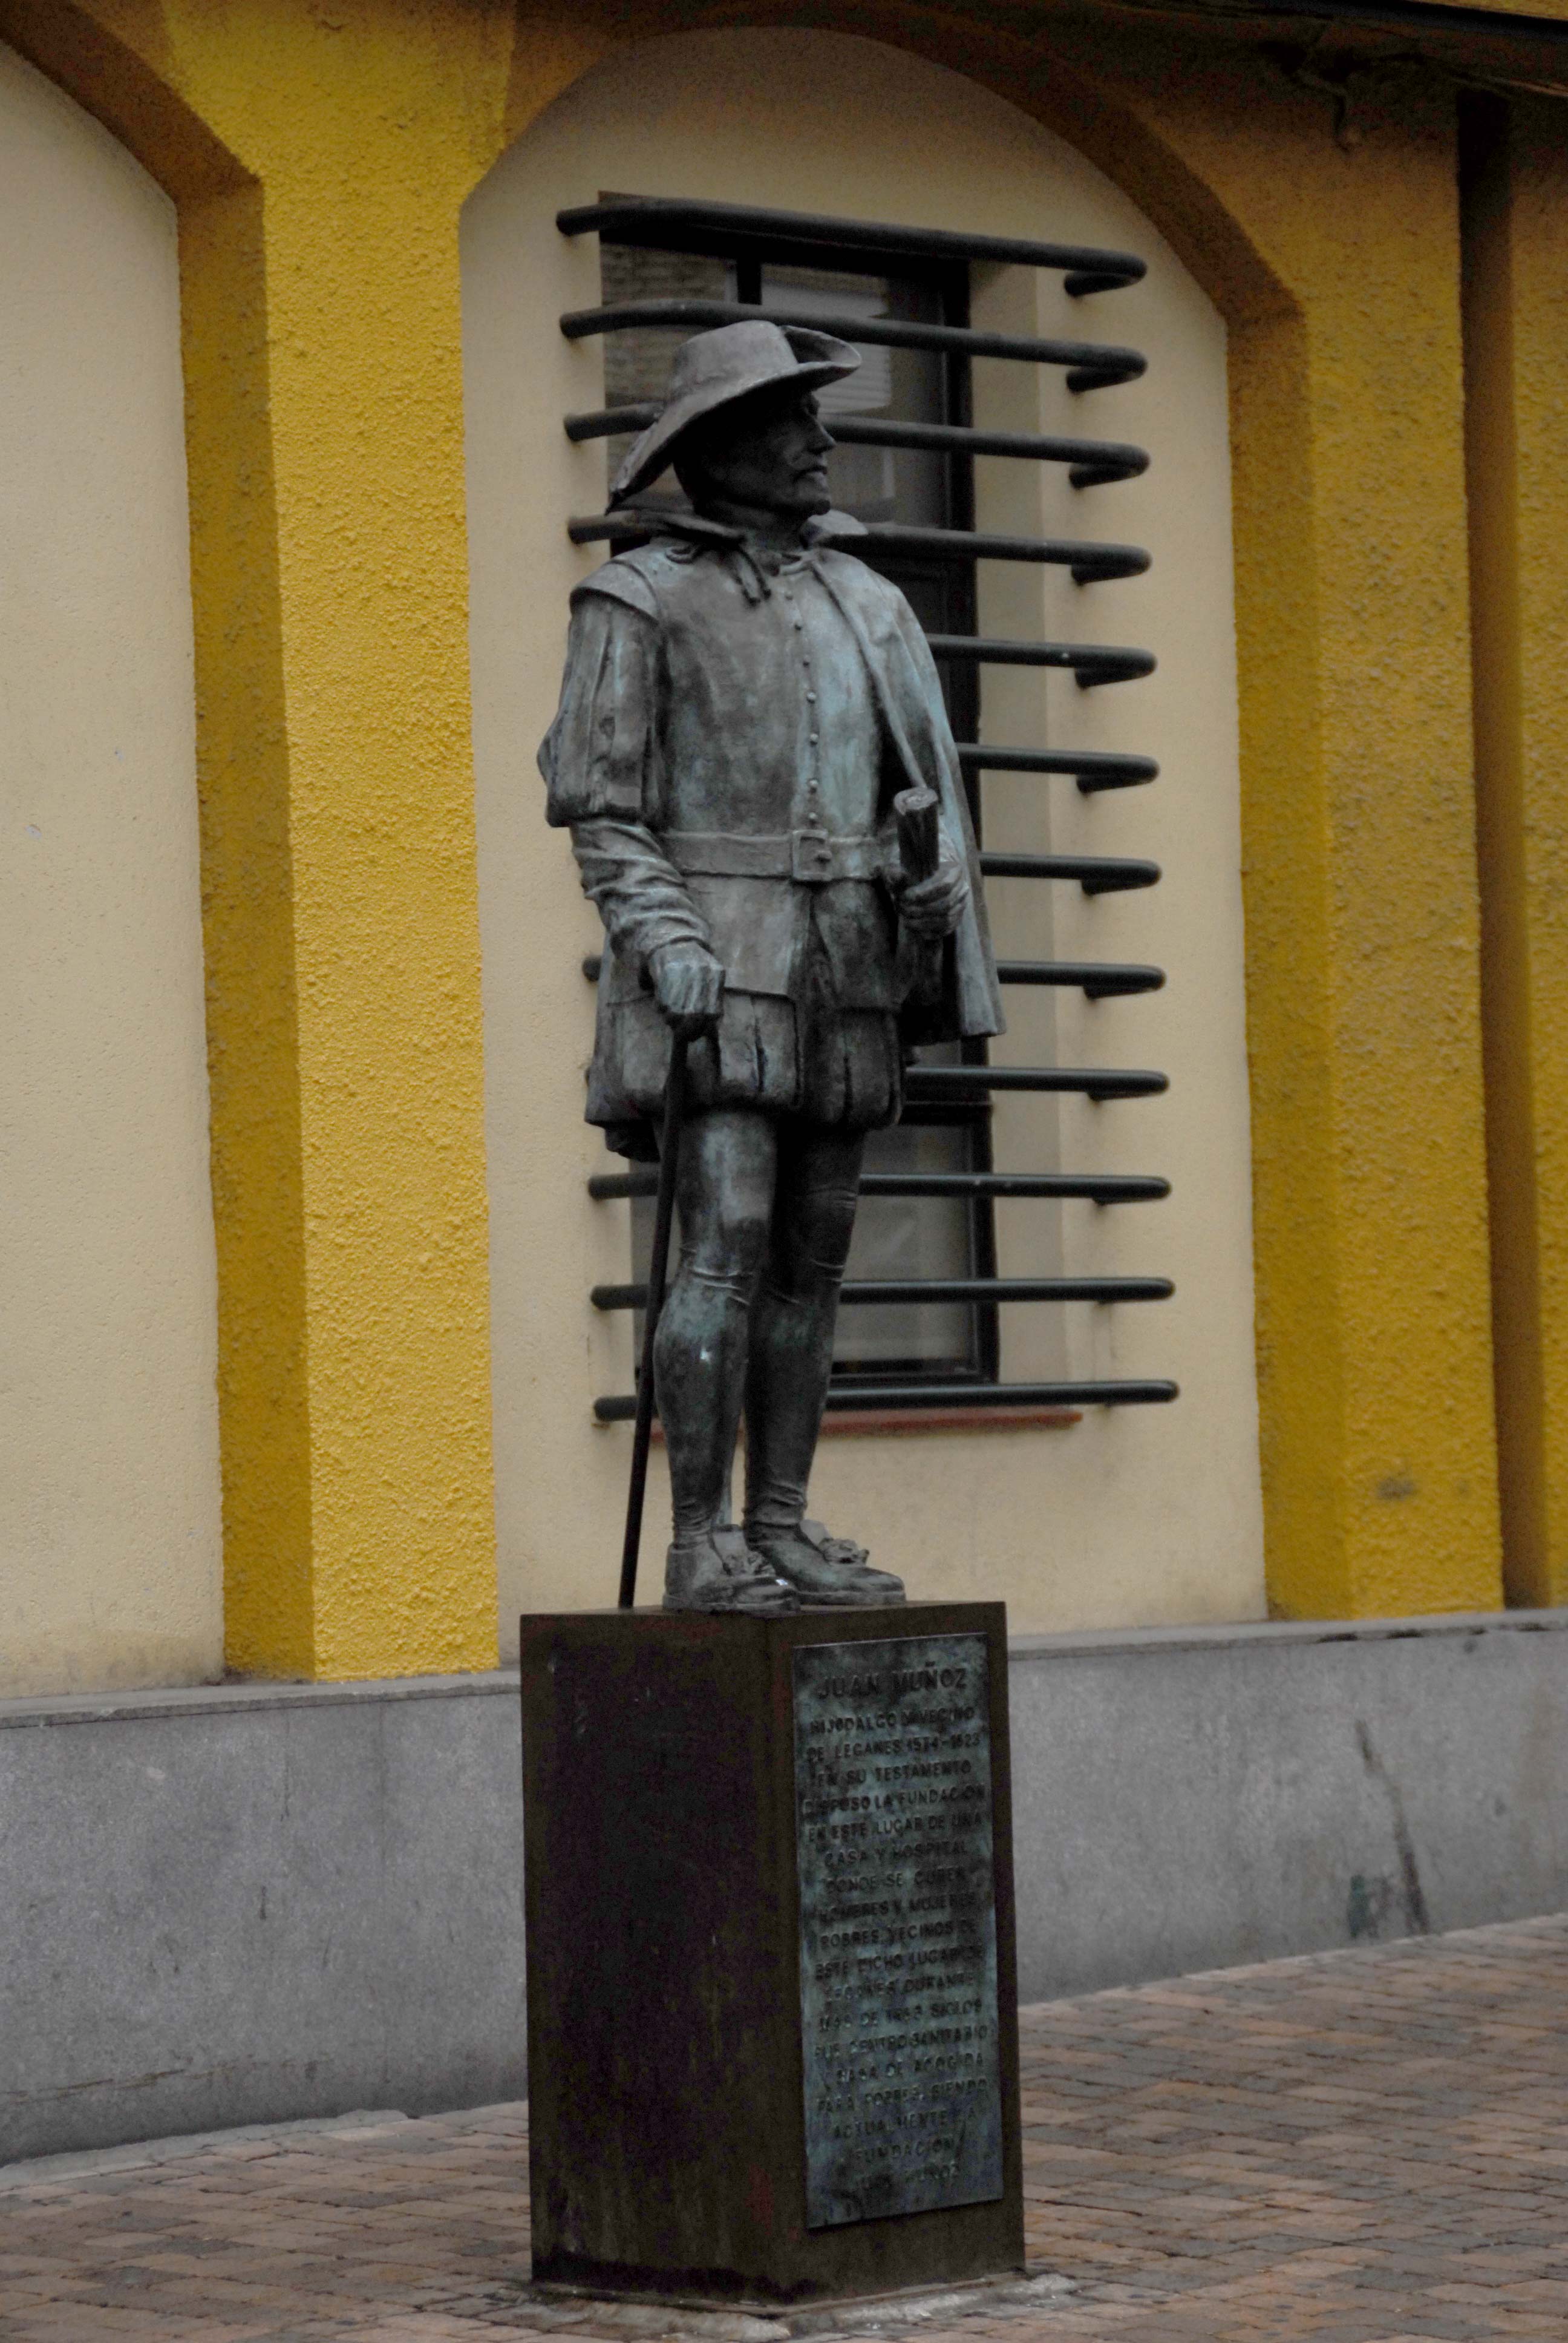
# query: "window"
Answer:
x=919 y=1324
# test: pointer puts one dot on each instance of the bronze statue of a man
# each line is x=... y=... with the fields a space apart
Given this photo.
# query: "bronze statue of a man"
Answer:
x=742 y=702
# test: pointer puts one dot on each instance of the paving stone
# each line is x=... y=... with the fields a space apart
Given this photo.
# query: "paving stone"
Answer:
x=1358 y=2147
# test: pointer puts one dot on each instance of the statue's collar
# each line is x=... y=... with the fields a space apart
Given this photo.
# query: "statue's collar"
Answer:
x=757 y=566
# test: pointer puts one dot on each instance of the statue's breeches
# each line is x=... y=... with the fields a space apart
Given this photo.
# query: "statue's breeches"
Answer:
x=807 y=1055
x=809 y=1026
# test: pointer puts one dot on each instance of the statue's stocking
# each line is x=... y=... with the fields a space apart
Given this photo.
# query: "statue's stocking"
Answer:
x=699 y=1375
x=726 y=1194
x=793 y=1320
x=791 y=1360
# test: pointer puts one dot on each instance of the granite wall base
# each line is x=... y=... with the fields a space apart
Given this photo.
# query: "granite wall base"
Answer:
x=244 y=1904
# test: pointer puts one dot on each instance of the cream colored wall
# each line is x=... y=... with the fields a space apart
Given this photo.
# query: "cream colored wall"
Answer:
x=110 y=1552
x=1134 y=1515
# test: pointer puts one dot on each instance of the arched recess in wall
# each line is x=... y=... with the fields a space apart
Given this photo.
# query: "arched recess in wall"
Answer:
x=109 y=1521
x=1130 y=1515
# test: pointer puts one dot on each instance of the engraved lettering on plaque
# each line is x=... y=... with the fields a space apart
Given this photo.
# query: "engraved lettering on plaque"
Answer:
x=897 y=1927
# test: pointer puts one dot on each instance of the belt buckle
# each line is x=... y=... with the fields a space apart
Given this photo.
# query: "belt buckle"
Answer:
x=811 y=857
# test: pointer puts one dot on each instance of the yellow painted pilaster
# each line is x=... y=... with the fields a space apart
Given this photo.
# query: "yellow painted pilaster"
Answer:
x=1375 y=1354
x=361 y=119
x=1370 y=1182
x=1516 y=304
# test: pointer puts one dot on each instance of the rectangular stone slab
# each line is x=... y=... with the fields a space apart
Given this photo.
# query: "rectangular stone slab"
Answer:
x=695 y=2040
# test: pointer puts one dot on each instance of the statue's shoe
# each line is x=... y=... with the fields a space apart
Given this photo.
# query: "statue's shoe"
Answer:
x=718 y=1572
x=826 y=1572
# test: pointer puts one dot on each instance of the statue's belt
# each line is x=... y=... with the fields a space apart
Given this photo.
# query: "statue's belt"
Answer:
x=810 y=856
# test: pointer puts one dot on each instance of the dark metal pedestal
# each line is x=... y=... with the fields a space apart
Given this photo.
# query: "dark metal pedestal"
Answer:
x=772 y=2000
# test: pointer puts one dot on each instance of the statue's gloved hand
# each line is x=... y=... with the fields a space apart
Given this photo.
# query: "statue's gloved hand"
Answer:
x=689 y=986
x=934 y=906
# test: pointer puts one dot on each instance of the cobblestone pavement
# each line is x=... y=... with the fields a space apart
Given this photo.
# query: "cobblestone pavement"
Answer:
x=1359 y=2148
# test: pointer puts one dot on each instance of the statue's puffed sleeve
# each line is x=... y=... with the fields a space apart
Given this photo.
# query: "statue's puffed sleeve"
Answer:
x=598 y=756
x=599 y=760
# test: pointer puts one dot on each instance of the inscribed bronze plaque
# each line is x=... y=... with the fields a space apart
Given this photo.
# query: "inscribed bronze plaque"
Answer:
x=897 y=1927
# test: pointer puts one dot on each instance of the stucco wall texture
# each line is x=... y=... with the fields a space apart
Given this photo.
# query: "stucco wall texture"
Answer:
x=109 y=1528
x=319 y=160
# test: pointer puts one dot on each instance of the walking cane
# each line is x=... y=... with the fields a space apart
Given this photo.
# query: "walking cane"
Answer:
x=658 y=1272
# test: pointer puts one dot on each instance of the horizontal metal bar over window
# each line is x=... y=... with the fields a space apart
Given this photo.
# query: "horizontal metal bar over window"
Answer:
x=852 y=1394
x=1087 y=563
x=1093 y=365
x=1092 y=663
x=1093 y=461
x=918 y=1289
x=1093 y=1187
x=1100 y=979
x=932 y=1082
x=925 y=1085
x=1093 y=768
x=679 y=223
x=1097 y=874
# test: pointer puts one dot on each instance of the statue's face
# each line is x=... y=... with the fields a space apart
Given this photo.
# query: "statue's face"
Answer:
x=766 y=454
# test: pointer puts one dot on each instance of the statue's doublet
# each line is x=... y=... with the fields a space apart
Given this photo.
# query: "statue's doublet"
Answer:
x=729 y=741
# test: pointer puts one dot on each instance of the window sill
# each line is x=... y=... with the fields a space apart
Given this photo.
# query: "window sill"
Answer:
x=896 y=1422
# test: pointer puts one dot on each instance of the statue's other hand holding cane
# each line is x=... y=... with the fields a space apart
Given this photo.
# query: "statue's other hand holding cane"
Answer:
x=689 y=986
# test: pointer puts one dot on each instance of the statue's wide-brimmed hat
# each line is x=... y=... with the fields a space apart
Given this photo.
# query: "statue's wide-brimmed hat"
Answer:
x=713 y=370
